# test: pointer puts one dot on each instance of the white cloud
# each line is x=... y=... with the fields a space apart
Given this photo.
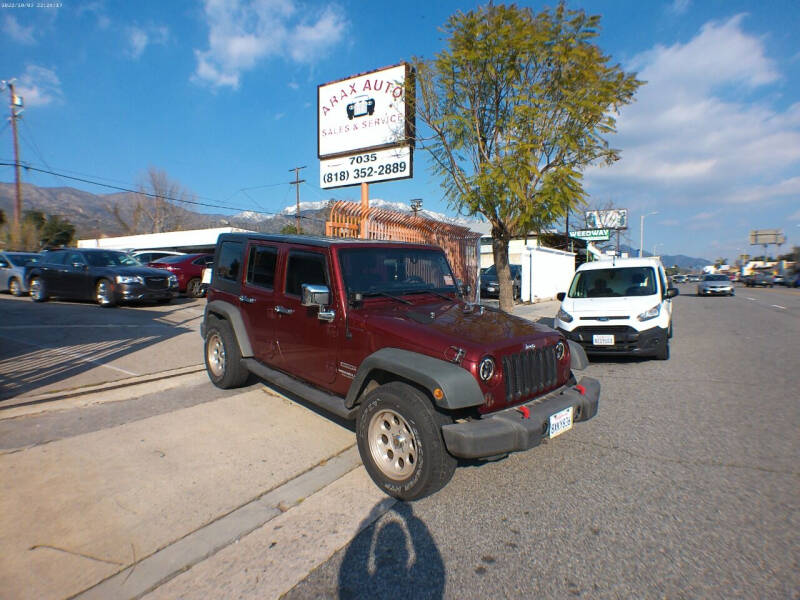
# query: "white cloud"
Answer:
x=244 y=32
x=17 y=32
x=679 y=7
x=702 y=123
x=39 y=86
x=98 y=10
x=139 y=38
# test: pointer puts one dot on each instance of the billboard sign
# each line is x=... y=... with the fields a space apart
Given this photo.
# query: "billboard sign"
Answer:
x=616 y=218
x=592 y=235
x=764 y=237
x=366 y=167
x=365 y=112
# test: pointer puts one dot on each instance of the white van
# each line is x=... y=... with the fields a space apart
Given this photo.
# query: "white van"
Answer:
x=619 y=306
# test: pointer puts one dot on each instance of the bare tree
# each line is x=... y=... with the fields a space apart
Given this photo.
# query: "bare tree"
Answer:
x=160 y=204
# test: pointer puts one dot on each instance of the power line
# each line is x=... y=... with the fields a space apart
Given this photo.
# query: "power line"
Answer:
x=29 y=167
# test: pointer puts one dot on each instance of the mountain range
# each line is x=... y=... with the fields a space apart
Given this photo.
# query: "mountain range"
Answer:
x=108 y=215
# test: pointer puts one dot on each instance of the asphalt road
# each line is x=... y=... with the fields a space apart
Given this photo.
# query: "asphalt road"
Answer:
x=685 y=485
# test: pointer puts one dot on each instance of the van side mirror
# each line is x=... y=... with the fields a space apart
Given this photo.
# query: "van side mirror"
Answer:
x=561 y=296
x=671 y=292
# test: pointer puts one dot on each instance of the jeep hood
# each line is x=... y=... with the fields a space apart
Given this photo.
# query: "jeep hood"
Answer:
x=438 y=326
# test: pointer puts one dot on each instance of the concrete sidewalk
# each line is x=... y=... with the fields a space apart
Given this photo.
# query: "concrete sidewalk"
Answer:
x=127 y=508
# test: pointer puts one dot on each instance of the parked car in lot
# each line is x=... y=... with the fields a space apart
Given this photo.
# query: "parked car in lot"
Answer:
x=188 y=268
x=12 y=271
x=148 y=256
x=490 y=287
x=619 y=307
x=759 y=280
x=715 y=285
x=106 y=276
x=679 y=278
x=378 y=332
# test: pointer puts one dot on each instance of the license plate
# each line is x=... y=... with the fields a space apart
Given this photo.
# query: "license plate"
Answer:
x=560 y=422
x=603 y=340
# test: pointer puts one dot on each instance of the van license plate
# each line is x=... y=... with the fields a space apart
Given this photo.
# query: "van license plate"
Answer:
x=560 y=422
x=603 y=340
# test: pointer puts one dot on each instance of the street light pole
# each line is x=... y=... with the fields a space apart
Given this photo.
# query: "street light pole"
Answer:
x=641 y=232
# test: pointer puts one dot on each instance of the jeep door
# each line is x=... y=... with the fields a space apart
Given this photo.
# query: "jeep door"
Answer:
x=306 y=345
x=257 y=300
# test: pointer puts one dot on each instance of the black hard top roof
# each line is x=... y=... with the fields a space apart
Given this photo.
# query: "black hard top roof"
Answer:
x=314 y=240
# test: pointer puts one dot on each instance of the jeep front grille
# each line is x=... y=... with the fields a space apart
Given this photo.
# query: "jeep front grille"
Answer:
x=530 y=372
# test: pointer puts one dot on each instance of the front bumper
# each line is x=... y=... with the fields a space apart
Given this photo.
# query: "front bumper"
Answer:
x=510 y=431
x=137 y=291
x=727 y=291
x=627 y=340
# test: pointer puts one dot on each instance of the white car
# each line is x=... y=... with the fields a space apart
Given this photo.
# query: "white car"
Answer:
x=619 y=307
x=148 y=256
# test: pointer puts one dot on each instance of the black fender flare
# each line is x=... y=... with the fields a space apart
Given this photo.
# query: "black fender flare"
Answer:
x=459 y=388
x=230 y=313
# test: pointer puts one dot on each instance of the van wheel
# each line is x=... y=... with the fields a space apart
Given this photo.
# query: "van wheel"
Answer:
x=399 y=434
x=223 y=358
x=663 y=351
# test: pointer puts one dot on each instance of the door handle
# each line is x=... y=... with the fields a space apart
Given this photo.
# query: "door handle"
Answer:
x=247 y=299
x=283 y=310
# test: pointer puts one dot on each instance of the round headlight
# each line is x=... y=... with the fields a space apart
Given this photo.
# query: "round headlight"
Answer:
x=486 y=368
x=560 y=349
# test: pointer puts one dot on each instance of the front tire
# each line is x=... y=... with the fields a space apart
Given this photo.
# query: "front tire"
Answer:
x=38 y=290
x=104 y=293
x=223 y=357
x=663 y=351
x=14 y=287
x=400 y=441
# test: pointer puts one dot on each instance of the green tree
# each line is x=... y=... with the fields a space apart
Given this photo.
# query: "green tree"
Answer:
x=517 y=106
x=292 y=230
x=56 y=232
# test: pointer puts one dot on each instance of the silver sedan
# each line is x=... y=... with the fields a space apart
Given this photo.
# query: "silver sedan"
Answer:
x=715 y=285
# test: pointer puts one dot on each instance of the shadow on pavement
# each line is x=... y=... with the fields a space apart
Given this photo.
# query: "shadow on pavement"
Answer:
x=396 y=557
x=43 y=344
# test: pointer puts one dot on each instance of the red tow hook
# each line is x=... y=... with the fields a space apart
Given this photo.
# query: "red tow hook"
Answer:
x=581 y=390
x=526 y=413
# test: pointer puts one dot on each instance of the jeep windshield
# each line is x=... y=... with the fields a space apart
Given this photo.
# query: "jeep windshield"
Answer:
x=614 y=282
x=395 y=271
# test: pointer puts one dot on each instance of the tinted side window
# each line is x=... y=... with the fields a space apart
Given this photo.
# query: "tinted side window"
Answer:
x=54 y=258
x=304 y=267
x=261 y=266
x=230 y=261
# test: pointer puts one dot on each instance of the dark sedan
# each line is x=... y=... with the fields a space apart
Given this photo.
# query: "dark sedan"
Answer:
x=490 y=287
x=105 y=276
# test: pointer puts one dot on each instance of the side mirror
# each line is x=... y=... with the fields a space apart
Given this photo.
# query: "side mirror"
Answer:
x=671 y=292
x=315 y=295
x=561 y=296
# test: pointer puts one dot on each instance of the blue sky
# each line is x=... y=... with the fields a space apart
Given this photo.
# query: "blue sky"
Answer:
x=222 y=96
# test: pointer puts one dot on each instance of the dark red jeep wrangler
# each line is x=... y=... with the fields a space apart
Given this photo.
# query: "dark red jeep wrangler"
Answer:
x=378 y=332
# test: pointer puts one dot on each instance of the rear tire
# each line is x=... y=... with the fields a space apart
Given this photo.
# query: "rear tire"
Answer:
x=14 y=287
x=400 y=441
x=38 y=290
x=193 y=288
x=222 y=355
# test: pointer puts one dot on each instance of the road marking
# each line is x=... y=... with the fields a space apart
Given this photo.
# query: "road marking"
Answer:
x=94 y=325
x=778 y=306
x=749 y=298
x=74 y=355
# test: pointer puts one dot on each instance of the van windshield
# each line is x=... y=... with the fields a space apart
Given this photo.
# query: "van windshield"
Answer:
x=614 y=282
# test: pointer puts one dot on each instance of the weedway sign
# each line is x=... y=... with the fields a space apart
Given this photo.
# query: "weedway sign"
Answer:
x=365 y=112
x=591 y=235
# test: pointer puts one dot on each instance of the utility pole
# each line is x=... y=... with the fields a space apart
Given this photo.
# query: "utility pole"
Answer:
x=297 y=181
x=14 y=104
